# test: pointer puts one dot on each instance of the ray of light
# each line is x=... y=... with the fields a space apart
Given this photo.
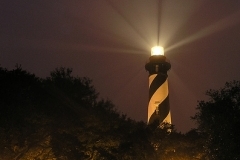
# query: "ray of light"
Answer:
x=218 y=26
x=174 y=14
x=117 y=29
x=57 y=45
x=135 y=29
x=111 y=27
x=159 y=20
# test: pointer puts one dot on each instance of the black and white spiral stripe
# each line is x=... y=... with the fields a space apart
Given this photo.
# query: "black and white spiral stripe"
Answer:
x=158 y=107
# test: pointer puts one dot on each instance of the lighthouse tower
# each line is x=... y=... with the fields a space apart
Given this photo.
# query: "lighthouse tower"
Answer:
x=157 y=67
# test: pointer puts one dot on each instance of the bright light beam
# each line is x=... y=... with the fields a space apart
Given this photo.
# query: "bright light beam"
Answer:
x=128 y=22
x=174 y=15
x=216 y=27
x=159 y=21
x=58 y=45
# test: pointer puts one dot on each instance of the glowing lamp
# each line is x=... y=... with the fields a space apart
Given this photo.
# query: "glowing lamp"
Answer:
x=157 y=50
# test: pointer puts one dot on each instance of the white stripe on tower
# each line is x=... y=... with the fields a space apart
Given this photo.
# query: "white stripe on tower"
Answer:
x=158 y=107
x=159 y=96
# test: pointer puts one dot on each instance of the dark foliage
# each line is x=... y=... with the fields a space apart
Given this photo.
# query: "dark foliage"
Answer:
x=218 y=121
x=60 y=117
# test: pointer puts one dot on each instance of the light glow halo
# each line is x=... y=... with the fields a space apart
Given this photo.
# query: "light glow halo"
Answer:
x=157 y=50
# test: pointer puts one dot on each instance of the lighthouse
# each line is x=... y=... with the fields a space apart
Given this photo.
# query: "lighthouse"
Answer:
x=158 y=106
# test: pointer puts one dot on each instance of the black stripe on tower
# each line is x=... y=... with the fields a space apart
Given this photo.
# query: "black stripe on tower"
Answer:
x=156 y=83
x=164 y=110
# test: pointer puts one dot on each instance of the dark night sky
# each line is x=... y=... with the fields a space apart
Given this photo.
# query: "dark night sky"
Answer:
x=110 y=41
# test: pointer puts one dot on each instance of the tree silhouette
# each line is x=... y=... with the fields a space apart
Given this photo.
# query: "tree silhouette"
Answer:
x=61 y=117
x=79 y=89
x=218 y=120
